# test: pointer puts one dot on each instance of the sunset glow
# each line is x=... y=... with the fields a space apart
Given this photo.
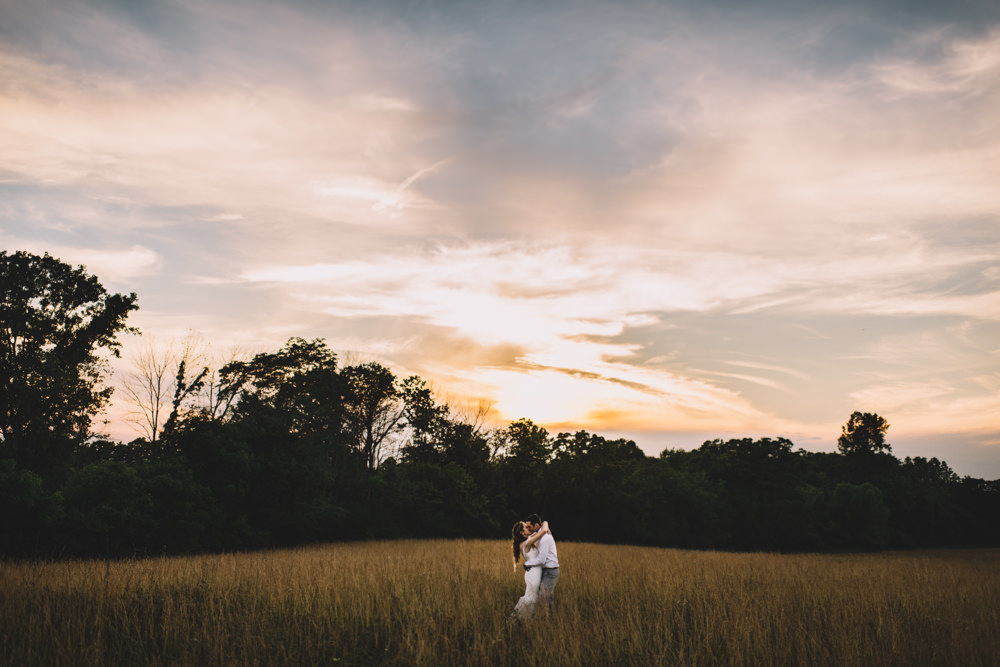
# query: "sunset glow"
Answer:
x=672 y=221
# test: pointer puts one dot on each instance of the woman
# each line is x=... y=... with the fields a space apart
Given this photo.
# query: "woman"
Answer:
x=524 y=544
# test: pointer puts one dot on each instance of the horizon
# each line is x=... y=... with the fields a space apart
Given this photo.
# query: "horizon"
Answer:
x=669 y=222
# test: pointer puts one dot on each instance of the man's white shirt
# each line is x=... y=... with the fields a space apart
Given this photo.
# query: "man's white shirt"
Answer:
x=546 y=556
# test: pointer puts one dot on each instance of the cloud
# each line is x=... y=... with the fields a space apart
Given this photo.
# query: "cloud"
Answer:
x=768 y=367
x=117 y=268
x=689 y=148
x=674 y=216
x=917 y=407
x=968 y=68
x=569 y=312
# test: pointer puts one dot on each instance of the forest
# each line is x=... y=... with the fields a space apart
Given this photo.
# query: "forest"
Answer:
x=294 y=446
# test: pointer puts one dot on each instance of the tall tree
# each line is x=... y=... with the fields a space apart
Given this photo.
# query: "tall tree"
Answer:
x=528 y=445
x=425 y=419
x=159 y=390
x=864 y=433
x=217 y=401
x=184 y=387
x=299 y=382
x=147 y=389
x=375 y=408
x=57 y=327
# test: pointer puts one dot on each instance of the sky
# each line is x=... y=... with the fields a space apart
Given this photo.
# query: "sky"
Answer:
x=668 y=221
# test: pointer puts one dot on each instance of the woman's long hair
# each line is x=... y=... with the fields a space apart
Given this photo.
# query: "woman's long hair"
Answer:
x=516 y=533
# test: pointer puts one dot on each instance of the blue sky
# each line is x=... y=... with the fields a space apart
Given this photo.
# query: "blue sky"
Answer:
x=671 y=221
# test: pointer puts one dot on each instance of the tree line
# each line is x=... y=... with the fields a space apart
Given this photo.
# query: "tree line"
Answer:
x=293 y=446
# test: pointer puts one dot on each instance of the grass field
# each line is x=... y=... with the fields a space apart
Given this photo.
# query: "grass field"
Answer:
x=446 y=603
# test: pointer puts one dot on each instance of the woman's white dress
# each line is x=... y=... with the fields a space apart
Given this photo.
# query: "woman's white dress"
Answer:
x=532 y=578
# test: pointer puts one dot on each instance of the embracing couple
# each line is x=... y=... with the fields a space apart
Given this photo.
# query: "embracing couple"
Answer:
x=533 y=541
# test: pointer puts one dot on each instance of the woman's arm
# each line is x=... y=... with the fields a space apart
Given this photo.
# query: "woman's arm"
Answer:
x=535 y=537
x=541 y=556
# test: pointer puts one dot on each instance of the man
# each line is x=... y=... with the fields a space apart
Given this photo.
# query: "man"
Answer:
x=547 y=559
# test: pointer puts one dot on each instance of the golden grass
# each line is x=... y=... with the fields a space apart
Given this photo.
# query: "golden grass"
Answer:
x=446 y=603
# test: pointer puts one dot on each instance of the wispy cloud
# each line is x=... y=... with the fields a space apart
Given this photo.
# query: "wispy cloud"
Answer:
x=118 y=268
x=656 y=216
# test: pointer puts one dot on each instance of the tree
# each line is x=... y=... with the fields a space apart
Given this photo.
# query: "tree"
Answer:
x=184 y=388
x=287 y=432
x=109 y=509
x=147 y=389
x=474 y=412
x=528 y=445
x=375 y=409
x=57 y=326
x=864 y=433
x=466 y=446
x=217 y=402
x=767 y=502
x=593 y=449
x=30 y=511
x=424 y=418
x=860 y=515
x=299 y=382
x=159 y=382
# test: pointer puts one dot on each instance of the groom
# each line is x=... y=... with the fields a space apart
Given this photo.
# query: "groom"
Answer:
x=547 y=558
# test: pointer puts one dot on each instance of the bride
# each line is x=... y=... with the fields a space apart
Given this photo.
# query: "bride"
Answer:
x=525 y=544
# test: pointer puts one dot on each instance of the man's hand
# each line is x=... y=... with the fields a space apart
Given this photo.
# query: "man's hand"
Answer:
x=526 y=567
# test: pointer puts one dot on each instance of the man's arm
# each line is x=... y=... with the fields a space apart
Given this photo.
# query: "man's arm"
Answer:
x=544 y=547
x=535 y=537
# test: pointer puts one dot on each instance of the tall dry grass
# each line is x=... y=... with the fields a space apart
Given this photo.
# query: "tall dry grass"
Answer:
x=446 y=603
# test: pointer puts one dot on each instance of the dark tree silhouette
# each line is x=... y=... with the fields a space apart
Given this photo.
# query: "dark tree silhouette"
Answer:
x=374 y=409
x=528 y=444
x=864 y=433
x=57 y=324
x=292 y=449
x=299 y=382
x=424 y=419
